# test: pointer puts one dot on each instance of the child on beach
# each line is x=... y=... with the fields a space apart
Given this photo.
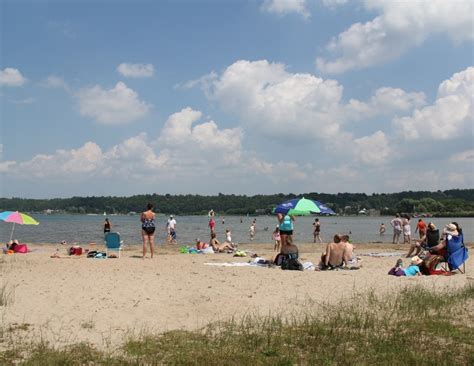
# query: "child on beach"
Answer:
x=276 y=238
x=412 y=270
x=252 y=230
x=228 y=237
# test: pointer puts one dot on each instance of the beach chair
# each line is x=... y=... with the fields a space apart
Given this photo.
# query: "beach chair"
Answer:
x=457 y=254
x=112 y=243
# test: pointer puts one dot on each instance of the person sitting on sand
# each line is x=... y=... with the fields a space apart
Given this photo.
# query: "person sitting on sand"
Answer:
x=441 y=248
x=12 y=244
x=412 y=270
x=333 y=257
x=289 y=247
x=218 y=246
x=349 y=258
x=200 y=245
x=429 y=239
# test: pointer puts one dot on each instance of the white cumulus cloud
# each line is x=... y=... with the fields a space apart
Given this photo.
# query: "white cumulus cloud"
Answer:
x=136 y=70
x=282 y=7
x=400 y=26
x=385 y=101
x=450 y=116
x=118 y=105
x=11 y=77
x=277 y=103
x=180 y=135
x=372 y=150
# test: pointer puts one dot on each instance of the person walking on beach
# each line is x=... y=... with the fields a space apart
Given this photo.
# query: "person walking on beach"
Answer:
x=107 y=226
x=397 y=228
x=382 y=229
x=171 y=227
x=317 y=231
x=148 y=229
x=421 y=228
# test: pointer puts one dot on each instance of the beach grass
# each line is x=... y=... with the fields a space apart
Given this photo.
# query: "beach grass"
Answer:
x=415 y=326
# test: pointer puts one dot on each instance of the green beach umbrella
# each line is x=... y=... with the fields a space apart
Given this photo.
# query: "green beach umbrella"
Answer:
x=302 y=207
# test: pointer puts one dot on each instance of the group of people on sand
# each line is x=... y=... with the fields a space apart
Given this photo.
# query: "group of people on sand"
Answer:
x=338 y=254
x=431 y=249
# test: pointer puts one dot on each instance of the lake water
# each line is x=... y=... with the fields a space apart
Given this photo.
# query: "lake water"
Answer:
x=83 y=229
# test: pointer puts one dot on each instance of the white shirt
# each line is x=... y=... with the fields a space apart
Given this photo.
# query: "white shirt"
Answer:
x=171 y=223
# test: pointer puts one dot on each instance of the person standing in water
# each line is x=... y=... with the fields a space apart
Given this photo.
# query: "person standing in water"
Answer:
x=212 y=221
x=107 y=226
x=148 y=229
x=317 y=231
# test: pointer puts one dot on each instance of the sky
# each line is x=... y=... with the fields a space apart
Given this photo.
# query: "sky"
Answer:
x=118 y=98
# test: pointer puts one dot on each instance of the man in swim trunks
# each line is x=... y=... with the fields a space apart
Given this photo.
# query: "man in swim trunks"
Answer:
x=333 y=257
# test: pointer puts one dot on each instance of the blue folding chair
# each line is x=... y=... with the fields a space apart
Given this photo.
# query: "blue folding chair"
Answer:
x=457 y=253
x=112 y=243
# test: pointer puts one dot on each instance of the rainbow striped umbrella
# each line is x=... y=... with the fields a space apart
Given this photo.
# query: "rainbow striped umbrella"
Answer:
x=17 y=218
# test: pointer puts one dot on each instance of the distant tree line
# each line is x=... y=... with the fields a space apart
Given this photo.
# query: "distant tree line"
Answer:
x=455 y=202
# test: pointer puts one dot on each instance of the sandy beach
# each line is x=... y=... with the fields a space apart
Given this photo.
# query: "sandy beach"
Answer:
x=101 y=301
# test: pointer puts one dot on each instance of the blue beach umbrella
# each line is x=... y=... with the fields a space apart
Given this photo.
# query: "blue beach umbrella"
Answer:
x=301 y=207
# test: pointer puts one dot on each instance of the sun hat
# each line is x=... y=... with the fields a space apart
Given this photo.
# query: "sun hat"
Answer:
x=416 y=260
x=451 y=229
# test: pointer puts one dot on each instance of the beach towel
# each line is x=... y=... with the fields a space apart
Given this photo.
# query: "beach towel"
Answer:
x=232 y=264
x=21 y=248
x=383 y=254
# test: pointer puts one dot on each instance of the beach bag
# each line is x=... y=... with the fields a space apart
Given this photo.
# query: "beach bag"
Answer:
x=75 y=251
x=292 y=264
x=92 y=253
x=281 y=257
x=21 y=248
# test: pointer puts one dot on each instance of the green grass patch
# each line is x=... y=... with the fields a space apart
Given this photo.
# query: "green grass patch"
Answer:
x=414 y=327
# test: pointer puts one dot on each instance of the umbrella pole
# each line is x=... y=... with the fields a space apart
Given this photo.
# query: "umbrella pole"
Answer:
x=11 y=234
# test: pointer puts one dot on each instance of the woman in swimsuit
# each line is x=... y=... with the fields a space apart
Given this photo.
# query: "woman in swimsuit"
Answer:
x=148 y=229
x=107 y=226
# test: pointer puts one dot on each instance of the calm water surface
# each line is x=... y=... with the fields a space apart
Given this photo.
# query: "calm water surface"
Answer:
x=83 y=229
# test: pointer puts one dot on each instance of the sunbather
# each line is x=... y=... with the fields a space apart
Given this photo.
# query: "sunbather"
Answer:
x=333 y=257
x=218 y=246
x=200 y=245
x=412 y=270
x=350 y=259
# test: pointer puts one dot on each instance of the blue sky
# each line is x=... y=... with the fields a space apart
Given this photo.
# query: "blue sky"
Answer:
x=132 y=97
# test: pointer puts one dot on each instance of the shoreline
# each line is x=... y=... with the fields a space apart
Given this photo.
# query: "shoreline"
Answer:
x=101 y=301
